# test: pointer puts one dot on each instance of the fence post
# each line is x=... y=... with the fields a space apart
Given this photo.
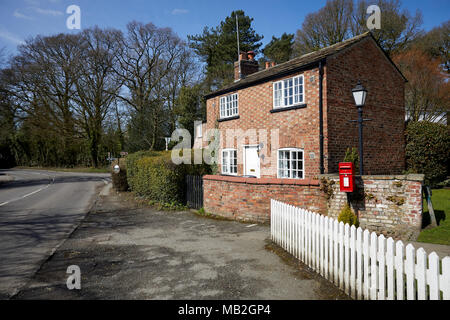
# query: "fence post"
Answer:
x=433 y=276
x=336 y=252
x=373 y=265
x=359 y=263
x=321 y=258
x=341 y=255
x=390 y=268
x=421 y=269
x=409 y=269
x=399 y=269
x=347 y=258
x=444 y=281
x=381 y=267
x=326 y=246
x=366 y=248
x=353 y=262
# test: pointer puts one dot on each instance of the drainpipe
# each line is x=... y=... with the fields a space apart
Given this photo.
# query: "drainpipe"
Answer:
x=322 y=168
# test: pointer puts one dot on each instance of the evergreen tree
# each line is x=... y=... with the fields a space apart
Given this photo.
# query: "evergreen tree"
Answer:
x=190 y=107
x=217 y=47
x=280 y=49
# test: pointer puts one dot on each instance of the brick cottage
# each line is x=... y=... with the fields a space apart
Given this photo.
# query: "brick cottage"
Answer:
x=284 y=126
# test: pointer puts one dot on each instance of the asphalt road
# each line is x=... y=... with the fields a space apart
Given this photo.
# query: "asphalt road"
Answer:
x=129 y=251
x=38 y=211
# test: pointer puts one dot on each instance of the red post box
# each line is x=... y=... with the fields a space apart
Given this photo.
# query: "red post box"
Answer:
x=346 y=176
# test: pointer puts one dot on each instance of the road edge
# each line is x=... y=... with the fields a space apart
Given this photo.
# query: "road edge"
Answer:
x=100 y=192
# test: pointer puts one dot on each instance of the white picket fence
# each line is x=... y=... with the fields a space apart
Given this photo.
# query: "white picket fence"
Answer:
x=363 y=265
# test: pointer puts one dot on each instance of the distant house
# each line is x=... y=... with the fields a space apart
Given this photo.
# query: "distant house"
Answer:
x=306 y=96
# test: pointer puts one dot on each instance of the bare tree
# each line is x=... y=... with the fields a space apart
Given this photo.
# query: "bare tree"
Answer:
x=45 y=73
x=2 y=57
x=147 y=55
x=342 y=19
x=328 y=26
x=96 y=85
x=398 y=26
x=428 y=90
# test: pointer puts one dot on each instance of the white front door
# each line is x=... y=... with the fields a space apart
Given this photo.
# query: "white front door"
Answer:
x=251 y=161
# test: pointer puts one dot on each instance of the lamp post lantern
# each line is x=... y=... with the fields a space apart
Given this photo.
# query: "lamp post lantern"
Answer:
x=360 y=94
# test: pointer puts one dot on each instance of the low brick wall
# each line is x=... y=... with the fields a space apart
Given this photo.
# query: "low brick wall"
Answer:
x=248 y=199
x=391 y=205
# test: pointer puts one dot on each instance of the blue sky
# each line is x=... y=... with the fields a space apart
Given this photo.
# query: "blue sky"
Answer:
x=20 y=19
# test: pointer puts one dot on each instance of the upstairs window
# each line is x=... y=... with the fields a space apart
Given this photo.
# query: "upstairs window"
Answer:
x=290 y=164
x=229 y=106
x=229 y=162
x=288 y=92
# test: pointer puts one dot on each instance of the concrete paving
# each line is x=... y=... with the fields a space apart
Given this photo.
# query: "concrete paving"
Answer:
x=441 y=250
x=38 y=211
x=129 y=252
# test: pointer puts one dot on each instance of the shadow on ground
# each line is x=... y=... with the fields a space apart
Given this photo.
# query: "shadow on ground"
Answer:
x=127 y=252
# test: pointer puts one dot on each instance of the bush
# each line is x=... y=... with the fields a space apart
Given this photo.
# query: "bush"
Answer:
x=348 y=216
x=153 y=175
x=427 y=150
x=131 y=165
x=352 y=155
x=119 y=180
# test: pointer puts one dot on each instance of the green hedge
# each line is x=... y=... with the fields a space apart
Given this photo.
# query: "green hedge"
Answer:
x=427 y=150
x=154 y=176
x=132 y=168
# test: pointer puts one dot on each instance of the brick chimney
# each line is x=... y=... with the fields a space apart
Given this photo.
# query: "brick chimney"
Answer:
x=248 y=65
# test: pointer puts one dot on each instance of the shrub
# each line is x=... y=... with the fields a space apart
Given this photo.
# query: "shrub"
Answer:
x=131 y=165
x=119 y=180
x=427 y=150
x=348 y=216
x=153 y=175
x=352 y=155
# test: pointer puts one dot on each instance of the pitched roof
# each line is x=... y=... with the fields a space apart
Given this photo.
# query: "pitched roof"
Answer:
x=295 y=64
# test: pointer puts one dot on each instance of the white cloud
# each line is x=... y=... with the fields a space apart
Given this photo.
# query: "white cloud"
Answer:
x=48 y=12
x=20 y=15
x=179 y=11
x=10 y=37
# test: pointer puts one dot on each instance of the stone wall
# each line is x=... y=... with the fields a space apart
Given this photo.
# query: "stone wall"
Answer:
x=391 y=205
x=248 y=199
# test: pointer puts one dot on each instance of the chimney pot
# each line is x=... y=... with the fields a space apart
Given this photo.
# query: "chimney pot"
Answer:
x=267 y=64
x=273 y=64
x=251 y=55
x=243 y=56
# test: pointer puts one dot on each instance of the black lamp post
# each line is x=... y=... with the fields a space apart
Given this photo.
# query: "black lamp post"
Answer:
x=360 y=94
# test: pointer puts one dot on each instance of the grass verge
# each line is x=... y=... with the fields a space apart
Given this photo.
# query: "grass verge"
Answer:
x=441 y=205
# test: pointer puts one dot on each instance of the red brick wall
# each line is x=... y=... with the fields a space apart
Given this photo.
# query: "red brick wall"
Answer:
x=297 y=128
x=384 y=136
x=247 y=199
x=384 y=141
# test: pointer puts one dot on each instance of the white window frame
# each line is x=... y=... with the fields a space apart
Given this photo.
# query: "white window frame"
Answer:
x=290 y=170
x=226 y=169
x=199 y=130
x=279 y=91
x=226 y=107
